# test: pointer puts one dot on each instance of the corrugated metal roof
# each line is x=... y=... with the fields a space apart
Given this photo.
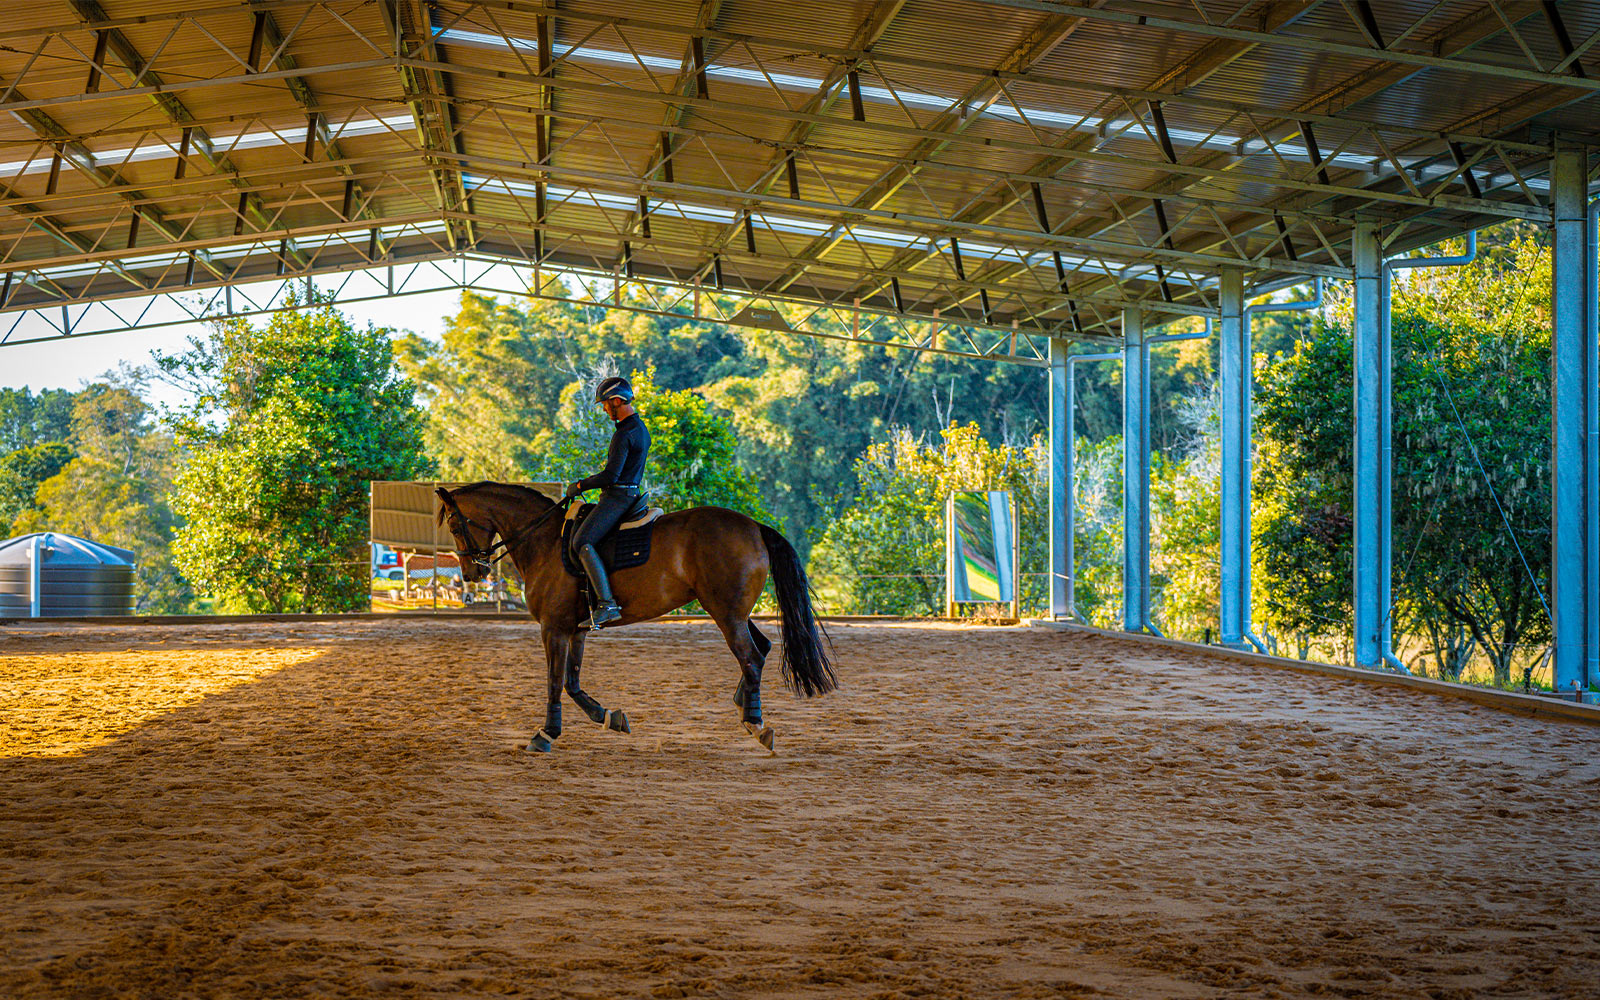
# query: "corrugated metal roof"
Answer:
x=1230 y=114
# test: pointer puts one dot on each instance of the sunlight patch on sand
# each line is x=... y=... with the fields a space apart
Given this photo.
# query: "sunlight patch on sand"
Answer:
x=64 y=704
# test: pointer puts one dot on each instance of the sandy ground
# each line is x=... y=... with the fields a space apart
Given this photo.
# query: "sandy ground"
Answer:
x=342 y=810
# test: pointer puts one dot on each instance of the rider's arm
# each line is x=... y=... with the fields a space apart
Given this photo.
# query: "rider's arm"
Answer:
x=614 y=460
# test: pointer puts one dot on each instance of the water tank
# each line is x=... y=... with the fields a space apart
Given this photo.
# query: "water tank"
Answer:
x=75 y=577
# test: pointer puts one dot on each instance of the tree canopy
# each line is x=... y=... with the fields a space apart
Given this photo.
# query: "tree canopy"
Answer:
x=1471 y=507
x=290 y=422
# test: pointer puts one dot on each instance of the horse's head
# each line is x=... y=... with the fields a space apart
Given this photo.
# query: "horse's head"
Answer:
x=473 y=538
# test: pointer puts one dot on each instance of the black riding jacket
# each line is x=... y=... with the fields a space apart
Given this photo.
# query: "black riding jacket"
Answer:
x=630 y=443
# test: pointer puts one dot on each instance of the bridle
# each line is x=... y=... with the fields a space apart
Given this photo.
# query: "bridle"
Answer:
x=485 y=556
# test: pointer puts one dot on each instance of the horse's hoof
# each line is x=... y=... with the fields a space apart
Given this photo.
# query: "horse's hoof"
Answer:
x=540 y=743
x=763 y=735
x=617 y=721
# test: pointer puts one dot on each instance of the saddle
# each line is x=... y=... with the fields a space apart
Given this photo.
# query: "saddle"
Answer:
x=626 y=546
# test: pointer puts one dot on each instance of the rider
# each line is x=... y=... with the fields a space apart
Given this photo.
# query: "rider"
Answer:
x=619 y=482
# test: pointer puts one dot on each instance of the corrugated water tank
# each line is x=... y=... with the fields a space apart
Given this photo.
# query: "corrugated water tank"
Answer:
x=74 y=577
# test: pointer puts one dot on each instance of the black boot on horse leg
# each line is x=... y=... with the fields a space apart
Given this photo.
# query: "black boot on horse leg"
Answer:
x=557 y=646
x=545 y=739
x=606 y=609
x=747 y=696
x=613 y=719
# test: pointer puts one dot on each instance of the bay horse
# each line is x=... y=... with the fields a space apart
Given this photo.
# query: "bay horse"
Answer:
x=711 y=554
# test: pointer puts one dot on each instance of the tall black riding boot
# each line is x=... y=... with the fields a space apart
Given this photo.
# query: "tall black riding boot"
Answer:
x=606 y=609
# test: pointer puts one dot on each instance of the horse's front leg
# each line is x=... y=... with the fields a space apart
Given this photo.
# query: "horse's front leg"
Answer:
x=557 y=647
x=613 y=719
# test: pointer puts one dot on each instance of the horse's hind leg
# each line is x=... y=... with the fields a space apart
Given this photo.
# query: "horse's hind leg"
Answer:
x=750 y=679
x=750 y=648
x=763 y=644
x=600 y=715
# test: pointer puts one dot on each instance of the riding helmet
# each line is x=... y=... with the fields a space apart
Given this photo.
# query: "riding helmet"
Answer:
x=615 y=387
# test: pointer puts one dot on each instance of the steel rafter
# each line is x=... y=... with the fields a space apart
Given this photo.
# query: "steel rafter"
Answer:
x=141 y=70
x=663 y=294
x=427 y=93
x=1305 y=43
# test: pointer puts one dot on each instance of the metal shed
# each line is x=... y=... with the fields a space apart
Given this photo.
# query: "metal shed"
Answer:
x=999 y=178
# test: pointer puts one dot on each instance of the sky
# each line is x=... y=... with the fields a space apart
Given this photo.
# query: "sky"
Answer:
x=61 y=363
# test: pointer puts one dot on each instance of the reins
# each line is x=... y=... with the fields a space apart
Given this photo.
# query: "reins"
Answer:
x=486 y=556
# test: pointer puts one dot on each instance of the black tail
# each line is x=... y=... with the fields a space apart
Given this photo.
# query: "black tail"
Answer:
x=805 y=660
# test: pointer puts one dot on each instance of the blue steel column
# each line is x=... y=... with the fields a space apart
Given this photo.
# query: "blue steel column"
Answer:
x=1233 y=370
x=1385 y=466
x=1572 y=400
x=1368 y=466
x=1060 y=481
x=1135 y=473
x=1591 y=337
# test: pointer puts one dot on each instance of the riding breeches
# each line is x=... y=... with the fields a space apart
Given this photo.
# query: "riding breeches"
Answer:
x=607 y=514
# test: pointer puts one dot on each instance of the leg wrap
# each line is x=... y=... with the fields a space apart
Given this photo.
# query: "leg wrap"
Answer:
x=749 y=699
x=592 y=708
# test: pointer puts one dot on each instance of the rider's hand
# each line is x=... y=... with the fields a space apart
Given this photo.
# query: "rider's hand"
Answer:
x=573 y=489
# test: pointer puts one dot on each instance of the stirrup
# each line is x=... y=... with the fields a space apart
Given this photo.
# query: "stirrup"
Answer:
x=603 y=614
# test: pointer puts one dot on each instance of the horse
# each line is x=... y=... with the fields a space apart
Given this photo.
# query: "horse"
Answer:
x=716 y=556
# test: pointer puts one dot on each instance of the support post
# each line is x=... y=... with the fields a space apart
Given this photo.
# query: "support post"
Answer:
x=1591 y=338
x=950 y=555
x=1368 y=583
x=1233 y=371
x=1135 y=473
x=1573 y=402
x=36 y=577
x=1060 y=389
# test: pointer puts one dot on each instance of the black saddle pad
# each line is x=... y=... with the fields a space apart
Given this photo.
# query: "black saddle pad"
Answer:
x=618 y=550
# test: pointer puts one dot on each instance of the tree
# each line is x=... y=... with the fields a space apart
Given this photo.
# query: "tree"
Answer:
x=21 y=473
x=807 y=408
x=290 y=423
x=27 y=420
x=493 y=384
x=1471 y=478
x=885 y=553
x=1185 y=518
x=115 y=490
x=692 y=446
x=802 y=409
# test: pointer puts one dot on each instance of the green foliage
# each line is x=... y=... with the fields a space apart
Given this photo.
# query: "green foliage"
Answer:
x=802 y=409
x=1471 y=385
x=1097 y=540
x=493 y=385
x=21 y=473
x=115 y=490
x=1185 y=519
x=289 y=424
x=885 y=553
x=27 y=420
x=807 y=408
x=692 y=446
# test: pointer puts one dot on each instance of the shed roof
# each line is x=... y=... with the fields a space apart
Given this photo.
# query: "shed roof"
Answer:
x=1028 y=167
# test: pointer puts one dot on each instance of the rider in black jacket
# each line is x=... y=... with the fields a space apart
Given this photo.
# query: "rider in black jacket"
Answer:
x=619 y=482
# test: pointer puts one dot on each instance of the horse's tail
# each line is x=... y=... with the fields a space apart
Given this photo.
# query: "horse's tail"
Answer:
x=806 y=668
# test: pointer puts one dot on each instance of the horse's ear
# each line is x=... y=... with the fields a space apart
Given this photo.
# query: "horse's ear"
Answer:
x=444 y=499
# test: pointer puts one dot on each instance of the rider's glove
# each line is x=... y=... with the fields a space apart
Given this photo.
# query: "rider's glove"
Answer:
x=573 y=489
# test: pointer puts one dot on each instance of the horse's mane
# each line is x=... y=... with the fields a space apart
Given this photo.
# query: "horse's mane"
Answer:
x=527 y=491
